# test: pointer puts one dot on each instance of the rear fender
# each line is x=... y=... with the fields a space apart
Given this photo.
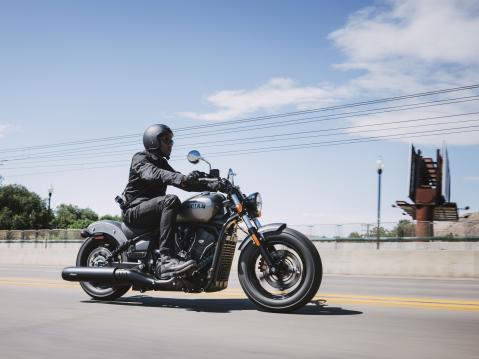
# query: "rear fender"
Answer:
x=111 y=228
x=271 y=228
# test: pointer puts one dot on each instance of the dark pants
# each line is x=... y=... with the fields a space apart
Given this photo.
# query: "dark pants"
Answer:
x=157 y=212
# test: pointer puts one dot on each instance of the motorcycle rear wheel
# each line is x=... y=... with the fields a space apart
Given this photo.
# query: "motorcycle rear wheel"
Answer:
x=296 y=283
x=91 y=254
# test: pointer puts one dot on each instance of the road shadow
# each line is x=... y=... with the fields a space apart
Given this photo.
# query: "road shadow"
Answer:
x=207 y=305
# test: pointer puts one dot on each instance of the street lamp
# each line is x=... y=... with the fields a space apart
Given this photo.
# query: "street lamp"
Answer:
x=50 y=192
x=380 y=167
x=465 y=209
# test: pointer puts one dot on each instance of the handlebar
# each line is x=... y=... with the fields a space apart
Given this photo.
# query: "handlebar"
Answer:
x=226 y=185
x=208 y=179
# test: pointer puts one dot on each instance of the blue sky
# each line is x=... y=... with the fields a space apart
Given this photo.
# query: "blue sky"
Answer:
x=79 y=70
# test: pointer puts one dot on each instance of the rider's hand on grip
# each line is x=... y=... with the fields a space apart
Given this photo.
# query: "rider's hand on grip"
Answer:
x=215 y=186
x=222 y=186
x=192 y=177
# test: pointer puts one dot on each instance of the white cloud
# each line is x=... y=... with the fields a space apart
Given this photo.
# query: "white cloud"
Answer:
x=432 y=31
x=402 y=47
x=4 y=128
x=452 y=122
x=275 y=94
x=412 y=45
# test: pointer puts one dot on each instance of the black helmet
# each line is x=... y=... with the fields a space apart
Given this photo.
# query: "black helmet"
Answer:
x=151 y=137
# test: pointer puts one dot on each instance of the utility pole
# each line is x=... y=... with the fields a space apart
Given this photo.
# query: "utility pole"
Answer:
x=50 y=192
x=380 y=167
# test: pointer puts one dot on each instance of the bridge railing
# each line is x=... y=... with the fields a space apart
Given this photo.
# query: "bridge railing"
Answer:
x=41 y=234
x=328 y=232
x=387 y=230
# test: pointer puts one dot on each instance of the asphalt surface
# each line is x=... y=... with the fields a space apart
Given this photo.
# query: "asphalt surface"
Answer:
x=42 y=316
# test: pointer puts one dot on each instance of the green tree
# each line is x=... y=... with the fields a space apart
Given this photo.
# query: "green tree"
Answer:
x=354 y=235
x=382 y=232
x=404 y=228
x=71 y=216
x=22 y=209
x=111 y=217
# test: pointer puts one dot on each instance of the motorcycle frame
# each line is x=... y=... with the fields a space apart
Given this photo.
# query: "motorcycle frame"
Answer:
x=235 y=209
x=113 y=230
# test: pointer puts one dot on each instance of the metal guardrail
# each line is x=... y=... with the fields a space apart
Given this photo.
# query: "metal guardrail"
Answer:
x=396 y=239
x=40 y=235
x=367 y=231
x=322 y=240
x=42 y=242
x=340 y=233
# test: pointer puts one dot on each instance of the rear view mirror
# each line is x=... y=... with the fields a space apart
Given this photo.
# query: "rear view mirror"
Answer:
x=194 y=157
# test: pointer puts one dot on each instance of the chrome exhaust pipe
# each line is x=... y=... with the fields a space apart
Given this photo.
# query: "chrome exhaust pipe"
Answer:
x=110 y=275
x=87 y=274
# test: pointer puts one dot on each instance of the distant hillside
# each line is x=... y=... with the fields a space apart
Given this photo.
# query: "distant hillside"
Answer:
x=465 y=227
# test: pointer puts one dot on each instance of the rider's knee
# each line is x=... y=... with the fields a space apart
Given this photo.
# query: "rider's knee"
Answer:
x=172 y=201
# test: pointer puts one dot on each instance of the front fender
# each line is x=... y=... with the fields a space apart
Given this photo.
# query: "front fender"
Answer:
x=112 y=228
x=268 y=228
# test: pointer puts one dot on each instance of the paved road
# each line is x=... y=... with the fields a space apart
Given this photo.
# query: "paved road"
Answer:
x=352 y=317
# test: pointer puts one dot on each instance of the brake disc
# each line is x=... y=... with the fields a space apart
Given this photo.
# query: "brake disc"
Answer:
x=98 y=256
x=289 y=270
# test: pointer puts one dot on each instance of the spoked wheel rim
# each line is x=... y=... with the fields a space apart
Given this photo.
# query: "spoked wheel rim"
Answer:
x=94 y=253
x=97 y=258
x=290 y=289
x=289 y=275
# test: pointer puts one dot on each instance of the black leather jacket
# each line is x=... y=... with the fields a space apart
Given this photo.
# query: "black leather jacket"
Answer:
x=149 y=177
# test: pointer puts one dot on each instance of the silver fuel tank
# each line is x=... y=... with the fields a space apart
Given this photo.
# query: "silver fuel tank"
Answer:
x=201 y=208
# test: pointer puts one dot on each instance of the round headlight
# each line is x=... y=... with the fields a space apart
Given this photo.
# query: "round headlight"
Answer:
x=259 y=204
x=254 y=204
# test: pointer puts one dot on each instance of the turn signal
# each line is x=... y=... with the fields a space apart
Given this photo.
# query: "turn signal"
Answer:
x=239 y=208
x=85 y=234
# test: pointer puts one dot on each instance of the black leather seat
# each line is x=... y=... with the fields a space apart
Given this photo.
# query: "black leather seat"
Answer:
x=131 y=232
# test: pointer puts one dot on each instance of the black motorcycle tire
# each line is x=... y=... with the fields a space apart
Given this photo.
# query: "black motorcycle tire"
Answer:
x=97 y=292
x=310 y=282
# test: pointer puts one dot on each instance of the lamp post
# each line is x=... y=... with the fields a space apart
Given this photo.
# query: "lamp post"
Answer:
x=50 y=192
x=380 y=167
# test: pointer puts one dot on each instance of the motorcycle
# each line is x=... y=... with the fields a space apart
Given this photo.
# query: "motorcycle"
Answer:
x=279 y=268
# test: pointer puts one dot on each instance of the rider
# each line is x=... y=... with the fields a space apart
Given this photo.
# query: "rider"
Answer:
x=147 y=204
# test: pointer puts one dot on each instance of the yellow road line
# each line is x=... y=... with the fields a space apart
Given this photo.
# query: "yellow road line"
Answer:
x=326 y=298
x=402 y=304
x=402 y=299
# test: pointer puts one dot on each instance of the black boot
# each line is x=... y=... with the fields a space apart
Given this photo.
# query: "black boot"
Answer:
x=169 y=266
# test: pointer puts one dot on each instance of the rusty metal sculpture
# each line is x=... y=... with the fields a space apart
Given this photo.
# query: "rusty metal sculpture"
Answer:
x=430 y=192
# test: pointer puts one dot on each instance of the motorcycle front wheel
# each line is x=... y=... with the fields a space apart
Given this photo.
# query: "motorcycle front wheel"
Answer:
x=296 y=280
x=93 y=253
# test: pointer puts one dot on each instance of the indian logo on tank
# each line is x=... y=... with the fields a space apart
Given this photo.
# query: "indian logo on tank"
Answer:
x=194 y=205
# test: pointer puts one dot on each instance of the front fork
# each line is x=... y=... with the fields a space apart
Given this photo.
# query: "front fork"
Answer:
x=259 y=240
x=256 y=236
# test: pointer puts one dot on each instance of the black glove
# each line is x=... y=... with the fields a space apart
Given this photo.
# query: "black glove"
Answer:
x=220 y=186
x=214 y=186
x=192 y=177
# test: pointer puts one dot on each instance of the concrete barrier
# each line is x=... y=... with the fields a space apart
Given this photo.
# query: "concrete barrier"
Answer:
x=54 y=253
x=430 y=259
x=447 y=264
